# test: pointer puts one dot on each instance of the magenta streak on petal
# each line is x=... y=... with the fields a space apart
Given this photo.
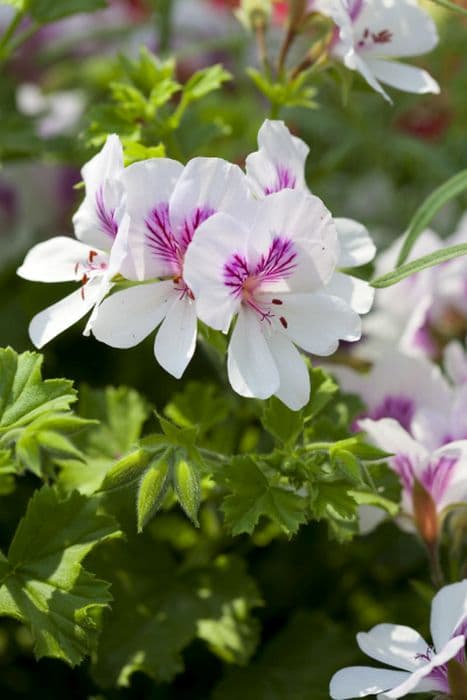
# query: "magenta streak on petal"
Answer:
x=160 y=239
x=106 y=216
x=437 y=476
x=285 y=180
x=401 y=408
x=355 y=8
x=403 y=466
x=236 y=273
x=279 y=263
x=191 y=223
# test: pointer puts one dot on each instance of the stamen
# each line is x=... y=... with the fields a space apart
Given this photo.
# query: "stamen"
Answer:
x=284 y=322
x=278 y=302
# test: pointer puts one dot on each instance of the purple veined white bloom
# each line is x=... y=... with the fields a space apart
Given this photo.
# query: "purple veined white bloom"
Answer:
x=370 y=34
x=94 y=259
x=398 y=386
x=279 y=164
x=166 y=203
x=442 y=472
x=270 y=272
x=421 y=667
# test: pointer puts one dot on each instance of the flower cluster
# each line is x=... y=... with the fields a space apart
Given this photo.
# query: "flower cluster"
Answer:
x=209 y=241
x=424 y=668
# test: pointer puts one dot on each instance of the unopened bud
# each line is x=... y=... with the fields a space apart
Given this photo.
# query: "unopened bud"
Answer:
x=254 y=14
x=457 y=677
x=297 y=12
x=426 y=517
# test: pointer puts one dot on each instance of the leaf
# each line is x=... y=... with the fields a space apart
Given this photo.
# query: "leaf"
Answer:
x=290 y=93
x=283 y=424
x=296 y=664
x=205 y=81
x=448 y=5
x=323 y=390
x=42 y=582
x=199 y=405
x=369 y=498
x=153 y=489
x=422 y=263
x=423 y=216
x=50 y=10
x=161 y=607
x=253 y=496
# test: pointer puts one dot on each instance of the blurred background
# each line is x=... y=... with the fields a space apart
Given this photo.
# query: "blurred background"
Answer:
x=369 y=160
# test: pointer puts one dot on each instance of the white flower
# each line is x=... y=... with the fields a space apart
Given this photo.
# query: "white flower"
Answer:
x=424 y=668
x=166 y=203
x=278 y=165
x=455 y=362
x=94 y=259
x=442 y=473
x=271 y=270
x=372 y=33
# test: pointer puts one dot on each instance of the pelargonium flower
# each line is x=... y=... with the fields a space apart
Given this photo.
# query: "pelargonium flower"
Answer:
x=455 y=362
x=398 y=386
x=93 y=259
x=423 y=668
x=270 y=272
x=166 y=203
x=432 y=481
x=370 y=34
x=279 y=164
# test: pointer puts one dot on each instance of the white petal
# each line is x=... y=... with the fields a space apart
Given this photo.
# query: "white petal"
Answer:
x=302 y=218
x=294 y=388
x=100 y=212
x=207 y=186
x=369 y=517
x=54 y=260
x=356 y=62
x=357 y=248
x=448 y=611
x=57 y=318
x=455 y=362
x=404 y=77
x=216 y=241
x=419 y=680
x=251 y=366
x=360 y=681
x=316 y=322
x=394 y=645
x=127 y=317
x=391 y=437
x=176 y=338
x=355 y=292
x=149 y=185
x=279 y=162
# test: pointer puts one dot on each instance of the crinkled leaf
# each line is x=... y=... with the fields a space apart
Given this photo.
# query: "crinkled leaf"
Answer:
x=254 y=495
x=43 y=583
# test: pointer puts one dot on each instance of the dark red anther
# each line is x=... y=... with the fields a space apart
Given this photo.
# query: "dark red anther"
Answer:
x=278 y=302
x=283 y=322
x=92 y=255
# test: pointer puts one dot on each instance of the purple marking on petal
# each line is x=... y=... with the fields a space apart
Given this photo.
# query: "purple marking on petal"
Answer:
x=279 y=263
x=404 y=467
x=191 y=223
x=437 y=476
x=401 y=408
x=236 y=273
x=106 y=217
x=355 y=9
x=159 y=237
x=285 y=180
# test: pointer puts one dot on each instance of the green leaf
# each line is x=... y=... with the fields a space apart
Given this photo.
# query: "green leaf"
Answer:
x=369 y=498
x=153 y=489
x=205 y=81
x=289 y=93
x=135 y=152
x=436 y=258
x=199 y=405
x=323 y=390
x=423 y=216
x=161 y=607
x=50 y=10
x=42 y=582
x=448 y=5
x=253 y=495
x=283 y=424
x=186 y=482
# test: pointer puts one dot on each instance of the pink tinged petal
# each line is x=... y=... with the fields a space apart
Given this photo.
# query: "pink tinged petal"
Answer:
x=96 y=221
x=49 y=323
x=250 y=363
x=355 y=292
x=215 y=242
x=404 y=77
x=356 y=246
x=294 y=387
x=360 y=681
x=304 y=220
x=149 y=186
x=176 y=338
x=316 y=322
x=280 y=161
x=54 y=260
x=126 y=318
x=448 y=613
x=420 y=680
x=394 y=645
x=207 y=186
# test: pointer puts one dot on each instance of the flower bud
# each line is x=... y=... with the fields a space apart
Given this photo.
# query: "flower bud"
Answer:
x=426 y=517
x=457 y=676
x=254 y=14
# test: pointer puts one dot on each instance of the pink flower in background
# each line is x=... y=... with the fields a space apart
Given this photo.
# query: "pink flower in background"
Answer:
x=423 y=667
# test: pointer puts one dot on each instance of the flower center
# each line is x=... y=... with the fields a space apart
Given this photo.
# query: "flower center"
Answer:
x=368 y=38
x=94 y=266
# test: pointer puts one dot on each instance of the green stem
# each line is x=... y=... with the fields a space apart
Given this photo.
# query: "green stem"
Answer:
x=275 y=110
x=437 y=574
x=10 y=30
x=165 y=25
